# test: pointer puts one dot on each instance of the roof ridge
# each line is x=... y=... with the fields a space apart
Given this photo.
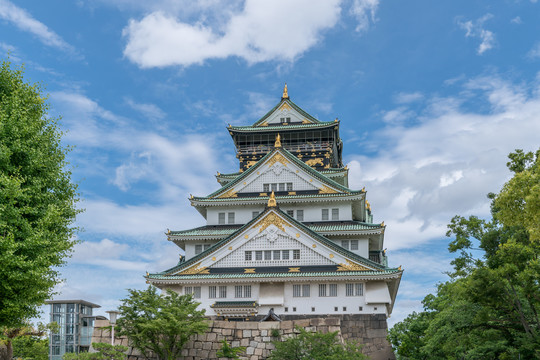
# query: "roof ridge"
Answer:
x=293 y=105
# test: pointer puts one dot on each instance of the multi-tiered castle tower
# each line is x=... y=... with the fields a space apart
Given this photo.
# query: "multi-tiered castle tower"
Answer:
x=285 y=235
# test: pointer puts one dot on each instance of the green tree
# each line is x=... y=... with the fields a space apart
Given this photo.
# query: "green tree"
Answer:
x=160 y=323
x=489 y=307
x=37 y=199
x=26 y=341
x=31 y=348
x=308 y=345
x=103 y=352
x=229 y=352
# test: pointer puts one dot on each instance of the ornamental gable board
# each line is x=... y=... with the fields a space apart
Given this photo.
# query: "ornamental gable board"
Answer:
x=273 y=230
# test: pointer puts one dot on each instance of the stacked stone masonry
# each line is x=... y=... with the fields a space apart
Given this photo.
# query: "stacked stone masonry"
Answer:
x=370 y=330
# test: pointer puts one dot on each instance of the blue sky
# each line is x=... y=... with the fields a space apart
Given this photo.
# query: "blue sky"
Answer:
x=431 y=95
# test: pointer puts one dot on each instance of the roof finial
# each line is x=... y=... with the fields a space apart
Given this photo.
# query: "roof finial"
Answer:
x=272 y=200
x=278 y=141
x=285 y=92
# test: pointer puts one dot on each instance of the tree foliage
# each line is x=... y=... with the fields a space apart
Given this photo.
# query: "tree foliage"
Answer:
x=160 y=323
x=37 y=199
x=229 y=352
x=489 y=307
x=308 y=345
x=26 y=342
x=103 y=352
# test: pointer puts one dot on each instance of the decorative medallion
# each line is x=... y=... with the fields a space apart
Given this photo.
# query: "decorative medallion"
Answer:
x=292 y=193
x=350 y=266
x=263 y=194
x=314 y=246
x=294 y=269
x=230 y=247
x=297 y=235
x=326 y=190
x=331 y=256
x=249 y=271
x=272 y=219
x=213 y=258
x=246 y=236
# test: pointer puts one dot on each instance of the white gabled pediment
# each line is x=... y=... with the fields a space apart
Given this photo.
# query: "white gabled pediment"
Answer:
x=273 y=231
x=285 y=113
x=278 y=169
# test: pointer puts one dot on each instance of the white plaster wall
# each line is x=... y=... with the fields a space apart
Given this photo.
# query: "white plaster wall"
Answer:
x=242 y=214
x=190 y=248
x=363 y=246
x=314 y=212
x=303 y=305
x=377 y=293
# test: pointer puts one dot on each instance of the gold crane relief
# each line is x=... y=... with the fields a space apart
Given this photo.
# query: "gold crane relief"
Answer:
x=316 y=161
x=250 y=164
x=350 y=266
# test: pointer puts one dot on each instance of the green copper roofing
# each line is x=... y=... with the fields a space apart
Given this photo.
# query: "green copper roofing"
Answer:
x=283 y=127
x=293 y=159
x=327 y=242
x=278 y=197
x=206 y=231
x=387 y=271
x=325 y=171
x=235 y=304
x=293 y=105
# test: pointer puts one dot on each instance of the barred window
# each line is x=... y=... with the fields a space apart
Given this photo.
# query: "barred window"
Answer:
x=258 y=255
x=196 y=292
x=231 y=218
x=305 y=290
x=266 y=187
x=274 y=187
x=296 y=254
x=254 y=214
x=324 y=214
x=238 y=291
x=345 y=244
x=223 y=292
x=297 y=290
x=335 y=214
x=289 y=186
x=333 y=290
x=248 y=255
x=247 y=291
x=198 y=249
x=212 y=292
x=221 y=218
x=242 y=291
x=290 y=213
x=188 y=290
x=300 y=215
x=354 y=244
x=322 y=290
x=285 y=254
x=207 y=246
x=281 y=186
x=277 y=254
x=267 y=254
x=356 y=289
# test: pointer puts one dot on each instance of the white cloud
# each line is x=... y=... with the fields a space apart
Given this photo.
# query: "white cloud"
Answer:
x=517 y=20
x=475 y=29
x=534 y=53
x=24 y=21
x=448 y=161
x=150 y=111
x=258 y=32
x=364 y=11
x=406 y=98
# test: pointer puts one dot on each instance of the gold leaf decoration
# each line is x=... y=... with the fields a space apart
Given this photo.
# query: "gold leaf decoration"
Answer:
x=249 y=271
x=294 y=269
x=195 y=269
x=272 y=219
x=316 y=161
x=229 y=194
x=285 y=106
x=326 y=190
x=350 y=266
x=278 y=158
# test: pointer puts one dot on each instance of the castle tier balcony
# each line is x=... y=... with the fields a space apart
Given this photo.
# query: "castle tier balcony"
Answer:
x=304 y=147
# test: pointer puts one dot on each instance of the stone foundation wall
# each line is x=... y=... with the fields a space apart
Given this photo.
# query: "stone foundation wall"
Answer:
x=370 y=330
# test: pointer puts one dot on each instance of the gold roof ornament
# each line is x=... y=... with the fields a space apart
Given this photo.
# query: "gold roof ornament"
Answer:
x=278 y=141
x=382 y=224
x=285 y=92
x=272 y=200
x=147 y=274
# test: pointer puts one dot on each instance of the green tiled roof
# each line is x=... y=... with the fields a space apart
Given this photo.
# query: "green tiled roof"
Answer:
x=293 y=105
x=278 y=197
x=293 y=159
x=387 y=271
x=282 y=127
x=236 y=304
x=325 y=171
x=318 y=227
x=322 y=239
